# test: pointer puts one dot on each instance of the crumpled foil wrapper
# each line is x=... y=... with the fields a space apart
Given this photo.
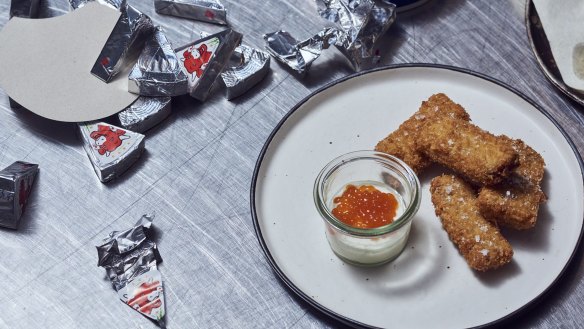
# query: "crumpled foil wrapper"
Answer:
x=124 y=43
x=16 y=183
x=252 y=68
x=158 y=71
x=115 y=4
x=145 y=113
x=110 y=149
x=299 y=55
x=362 y=23
x=203 y=60
x=130 y=259
x=25 y=8
x=211 y=11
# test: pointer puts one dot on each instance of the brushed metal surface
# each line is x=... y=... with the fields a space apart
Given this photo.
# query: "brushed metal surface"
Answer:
x=197 y=170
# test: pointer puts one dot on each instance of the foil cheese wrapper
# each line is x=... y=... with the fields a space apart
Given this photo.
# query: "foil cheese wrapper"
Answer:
x=203 y=60
x=253 y=66
x=25 y=8
x=145 y=113
x=158 y=71
x=131 y=259
x=124 y=44
x=362 y=22
x=115 y=4
x=16 y=183
x=211 y=11
x=299 y=55
x=110 y=149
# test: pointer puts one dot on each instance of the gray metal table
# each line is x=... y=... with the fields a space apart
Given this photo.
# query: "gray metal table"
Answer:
x=197 y=170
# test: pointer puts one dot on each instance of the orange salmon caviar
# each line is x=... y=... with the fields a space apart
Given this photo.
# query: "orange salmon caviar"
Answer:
x=365 y=207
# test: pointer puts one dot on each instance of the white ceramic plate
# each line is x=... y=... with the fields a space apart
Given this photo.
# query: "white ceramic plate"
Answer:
x=429 y=285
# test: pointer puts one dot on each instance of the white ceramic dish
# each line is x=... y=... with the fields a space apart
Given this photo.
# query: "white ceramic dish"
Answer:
x=429 y=285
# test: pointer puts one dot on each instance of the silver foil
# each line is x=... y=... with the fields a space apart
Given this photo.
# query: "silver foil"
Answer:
x=145 y=113
x=211 y=11
x=124 y=43
x=203 y=60
x=115 y=4
x=110 y=149
x=25 y=8
x=362 y=22
x=16 y=183
x=128 y=256
x=299 y=55
x=158 y=71
x=252 y=68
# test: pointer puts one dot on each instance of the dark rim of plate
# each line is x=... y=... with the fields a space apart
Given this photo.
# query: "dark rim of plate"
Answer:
x=339 y=317
x=543 y=54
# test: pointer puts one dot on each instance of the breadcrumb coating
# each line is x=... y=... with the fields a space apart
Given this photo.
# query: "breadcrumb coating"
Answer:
x=478 y=240
x=401 y=142
x=515 y=202
x=477 y=155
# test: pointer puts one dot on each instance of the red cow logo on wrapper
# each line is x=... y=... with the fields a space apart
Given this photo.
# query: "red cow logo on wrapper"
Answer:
x=107 y=139
x=146 y=297
x=196 y=59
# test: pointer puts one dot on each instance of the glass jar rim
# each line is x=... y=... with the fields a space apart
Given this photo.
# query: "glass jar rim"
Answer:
x=407 y=173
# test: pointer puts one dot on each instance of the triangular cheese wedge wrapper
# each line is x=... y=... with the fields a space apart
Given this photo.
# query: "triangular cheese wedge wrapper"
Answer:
x=16 y=183
x=203 y=60
x=158 y=71
x=111 y=150
x=145 y=295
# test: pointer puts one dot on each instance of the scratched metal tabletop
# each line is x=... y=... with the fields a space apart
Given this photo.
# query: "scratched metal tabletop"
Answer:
x=197 y=170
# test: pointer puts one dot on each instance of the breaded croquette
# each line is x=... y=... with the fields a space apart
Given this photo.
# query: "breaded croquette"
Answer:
x=401 y=142
x=531 y=164
x=515 y=202
x=480 y=242
x=470 y=151
x=511 y=206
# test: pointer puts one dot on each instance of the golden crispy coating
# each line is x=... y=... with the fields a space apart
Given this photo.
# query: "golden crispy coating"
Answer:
x=511 y=206
x=472 y=152
x=515 y=202
x=531 y=164
x=401 y=143
x=480 y=242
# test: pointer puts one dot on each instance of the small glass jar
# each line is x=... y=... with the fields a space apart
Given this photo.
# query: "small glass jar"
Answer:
x=368 y=246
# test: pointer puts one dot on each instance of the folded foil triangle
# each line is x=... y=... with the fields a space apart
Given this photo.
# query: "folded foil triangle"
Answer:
x=110 y=149
x=158 y=71
x=203 y=60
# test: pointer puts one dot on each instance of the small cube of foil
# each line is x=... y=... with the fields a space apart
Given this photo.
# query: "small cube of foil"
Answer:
x=158 y=71
x=299 y=55
x=110 y=149
x=16 y=183
x=130 y=259
x=253 y=66
x=25 y=8
x=211 y=11
x=124 y=43
x=203 y=60
x=145 y=113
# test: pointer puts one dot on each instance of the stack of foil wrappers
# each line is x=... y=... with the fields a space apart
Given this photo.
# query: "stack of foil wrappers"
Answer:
x=358 y=24
x=131 y=259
